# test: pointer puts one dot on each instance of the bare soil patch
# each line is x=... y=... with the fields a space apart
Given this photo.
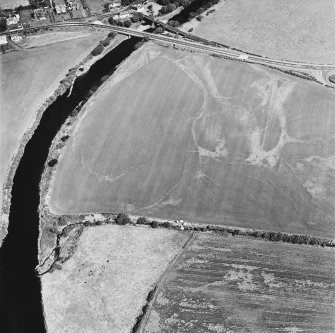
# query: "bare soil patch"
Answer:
x=104 y=285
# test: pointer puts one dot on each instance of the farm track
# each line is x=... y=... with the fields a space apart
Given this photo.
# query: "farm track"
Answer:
x=217 y=51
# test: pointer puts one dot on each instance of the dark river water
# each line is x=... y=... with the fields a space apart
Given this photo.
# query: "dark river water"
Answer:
x=20 y=288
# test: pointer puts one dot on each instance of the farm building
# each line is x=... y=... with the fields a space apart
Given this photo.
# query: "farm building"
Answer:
x=16 y=38
x=114 y=5
x=40 y=14
x=139 y=7
x=13 y=20
x=60 y=9
x=124 y=15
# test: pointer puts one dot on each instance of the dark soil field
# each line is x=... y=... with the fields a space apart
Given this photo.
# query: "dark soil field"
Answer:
x=239 y=285
x=183 y=136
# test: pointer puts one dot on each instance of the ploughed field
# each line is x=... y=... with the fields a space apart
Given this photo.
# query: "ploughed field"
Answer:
x=240 y=285
x=183 y=136
x=291 y=30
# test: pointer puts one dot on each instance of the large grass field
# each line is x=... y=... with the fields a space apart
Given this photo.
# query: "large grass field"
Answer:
x=184 y=136
x=10 y=4
x=27 y=78
x=239 y=285
x=104 y=285
x=300 y=30
x=96 y=6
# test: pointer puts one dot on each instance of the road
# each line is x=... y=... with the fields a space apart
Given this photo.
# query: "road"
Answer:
x=212 y=50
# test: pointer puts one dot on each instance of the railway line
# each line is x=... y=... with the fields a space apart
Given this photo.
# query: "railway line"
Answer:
x=212 y=50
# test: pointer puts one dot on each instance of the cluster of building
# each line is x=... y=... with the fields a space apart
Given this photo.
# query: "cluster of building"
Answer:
x=123 y=16
x=126 y=15
x=13 y=22
x=41 y=13
x=62 y=8
x=114 y=5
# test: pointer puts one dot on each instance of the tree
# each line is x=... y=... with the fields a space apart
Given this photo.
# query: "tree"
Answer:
x=98 y=50
x=122 y=219
x=185 y=3
x=159 y=30
x=111 y=21
x=135 y=18
x=200 y=10
x=150 y=7
x=3 y=24
x=112 y=34
x=127 y=24
x=164 y=10
x=192 y=15
x=106 y=41
x=173 y=23
x=171 y=7
x=142 y=220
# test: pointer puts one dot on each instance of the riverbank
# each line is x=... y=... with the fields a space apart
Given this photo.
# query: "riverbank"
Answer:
x=47 y=240
x=48 y=94
x=21 y=289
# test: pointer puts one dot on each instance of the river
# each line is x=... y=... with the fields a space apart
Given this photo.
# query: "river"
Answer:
x=20 y=289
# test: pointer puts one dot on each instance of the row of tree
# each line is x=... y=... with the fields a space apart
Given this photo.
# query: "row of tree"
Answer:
x=204 y=7
x=184 y=3
x=104 y=43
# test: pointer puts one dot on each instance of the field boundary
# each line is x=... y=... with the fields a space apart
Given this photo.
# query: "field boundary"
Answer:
x=142 y=319
x=57 y=226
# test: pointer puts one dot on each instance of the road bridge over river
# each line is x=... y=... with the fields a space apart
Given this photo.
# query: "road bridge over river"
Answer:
x=205 y=48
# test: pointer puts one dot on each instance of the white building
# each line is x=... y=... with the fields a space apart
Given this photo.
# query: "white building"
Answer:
x=243 y=57
x=16 y=38
x=124 y=15
x=13 y=20
x=114 y=5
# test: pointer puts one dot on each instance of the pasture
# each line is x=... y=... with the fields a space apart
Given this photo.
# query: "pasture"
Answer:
x=239 y=285
x=183 y=136
x=96 y=6
x=104 y=285
x=29 y=78
x=11 y=4
x=291 y=30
